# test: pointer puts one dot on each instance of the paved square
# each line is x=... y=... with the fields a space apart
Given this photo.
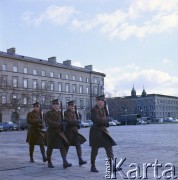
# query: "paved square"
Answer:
x=141 y=144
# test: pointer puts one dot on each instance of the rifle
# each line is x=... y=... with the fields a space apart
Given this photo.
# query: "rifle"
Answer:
x=78 y=116
x=62 y=117
x=42 y=117
x=106 y=108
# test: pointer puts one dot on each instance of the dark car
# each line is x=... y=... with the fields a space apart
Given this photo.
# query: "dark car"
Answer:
x=9 y=126
x=1 y=128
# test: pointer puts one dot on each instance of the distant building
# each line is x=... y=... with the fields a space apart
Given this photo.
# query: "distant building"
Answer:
x=153 y=106
x=24 y=80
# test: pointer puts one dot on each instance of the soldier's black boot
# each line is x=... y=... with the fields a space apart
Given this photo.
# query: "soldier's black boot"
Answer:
x=65 y=163
x=31 y=150
x=31 y=159
x=81 y=161
x=44 y=158
x=93 y=167
x=50 y=164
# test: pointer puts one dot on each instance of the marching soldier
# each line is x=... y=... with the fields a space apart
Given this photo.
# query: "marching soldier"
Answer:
x=99 y=136
x=35 y=135
x=71 y=130
x=55 y=135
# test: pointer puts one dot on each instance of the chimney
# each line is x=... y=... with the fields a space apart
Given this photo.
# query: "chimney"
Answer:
x=11 y=51
x=52 y=60
x=89 y=67
x=67 y=62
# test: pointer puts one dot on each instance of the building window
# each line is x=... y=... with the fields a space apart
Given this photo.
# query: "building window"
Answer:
x=96 y=80
x=25 y=83
x=67 y=88
x=43 y=85
x=34 y=98
x=4 y=67
x=80 y=79
x=81 y=103
x=87 y=80
x=51 y=74
x=59 y=75
x=95 y=90
x=34 y=84
x=87 y=90
x=14 y=99
x=52 y=86
x=73 y=78
x=25 y=100
x=14 y=82
x=34 y=72
x=87 y=103
x=67 y=100
x=74 y=88
x=25 y=70
x=67 y=76
x=80 y=89
x=4 y=81
x=14 y=68
x=43 y=73
x=4 y=99
x=59 y=87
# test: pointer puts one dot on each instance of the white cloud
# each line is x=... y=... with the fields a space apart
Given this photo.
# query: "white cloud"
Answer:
x=140 y=19
x=55 y=14
x=143 y=17
x=121 y=81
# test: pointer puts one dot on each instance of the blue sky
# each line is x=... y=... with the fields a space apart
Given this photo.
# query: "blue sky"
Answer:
x=134 y=42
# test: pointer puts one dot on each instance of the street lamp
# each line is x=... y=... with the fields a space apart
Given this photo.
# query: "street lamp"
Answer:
x=18 y=110
x=141 y=115
x=126 y=116
x=84 y=114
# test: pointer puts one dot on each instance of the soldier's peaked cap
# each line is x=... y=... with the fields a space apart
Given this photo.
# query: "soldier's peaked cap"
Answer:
x=101 y=97
x=71 y=103
x=36 y=104
x=54 y=101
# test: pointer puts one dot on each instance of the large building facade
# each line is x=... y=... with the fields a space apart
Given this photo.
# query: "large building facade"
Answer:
x=155 y=107
x=24 y=80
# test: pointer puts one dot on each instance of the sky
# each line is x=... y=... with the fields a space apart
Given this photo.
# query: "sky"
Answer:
x=134 y=42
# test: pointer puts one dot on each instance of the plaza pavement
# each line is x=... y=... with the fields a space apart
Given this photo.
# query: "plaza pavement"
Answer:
x=138 y=144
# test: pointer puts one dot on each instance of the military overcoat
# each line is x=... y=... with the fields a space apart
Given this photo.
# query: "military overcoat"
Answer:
x=35 y=134
x=99 y=135
x=71 y=129
x=55 y=137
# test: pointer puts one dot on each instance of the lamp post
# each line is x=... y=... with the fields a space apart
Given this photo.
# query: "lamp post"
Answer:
x=126 y=116
x=84 y=114
x=141 y=115
x=18 y=111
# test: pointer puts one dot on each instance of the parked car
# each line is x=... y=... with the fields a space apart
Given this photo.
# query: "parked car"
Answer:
x=23 y=126
x=84 y=125
x=90 y=122
x=117 y=122
x=9 y=126
x=1 y=128
x=112 y=123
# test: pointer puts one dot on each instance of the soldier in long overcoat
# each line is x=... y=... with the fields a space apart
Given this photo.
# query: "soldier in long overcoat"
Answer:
x=35 y=135
x=99 y=135
x=55 y=136
x=71 y=130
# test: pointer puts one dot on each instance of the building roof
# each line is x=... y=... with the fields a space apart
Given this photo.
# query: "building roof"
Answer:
x=48 y=63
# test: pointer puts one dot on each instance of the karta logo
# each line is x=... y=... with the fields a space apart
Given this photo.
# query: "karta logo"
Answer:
x=137 y=171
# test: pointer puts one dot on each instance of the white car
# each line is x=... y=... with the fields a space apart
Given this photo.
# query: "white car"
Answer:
x=84 y=124
x=112 y=123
